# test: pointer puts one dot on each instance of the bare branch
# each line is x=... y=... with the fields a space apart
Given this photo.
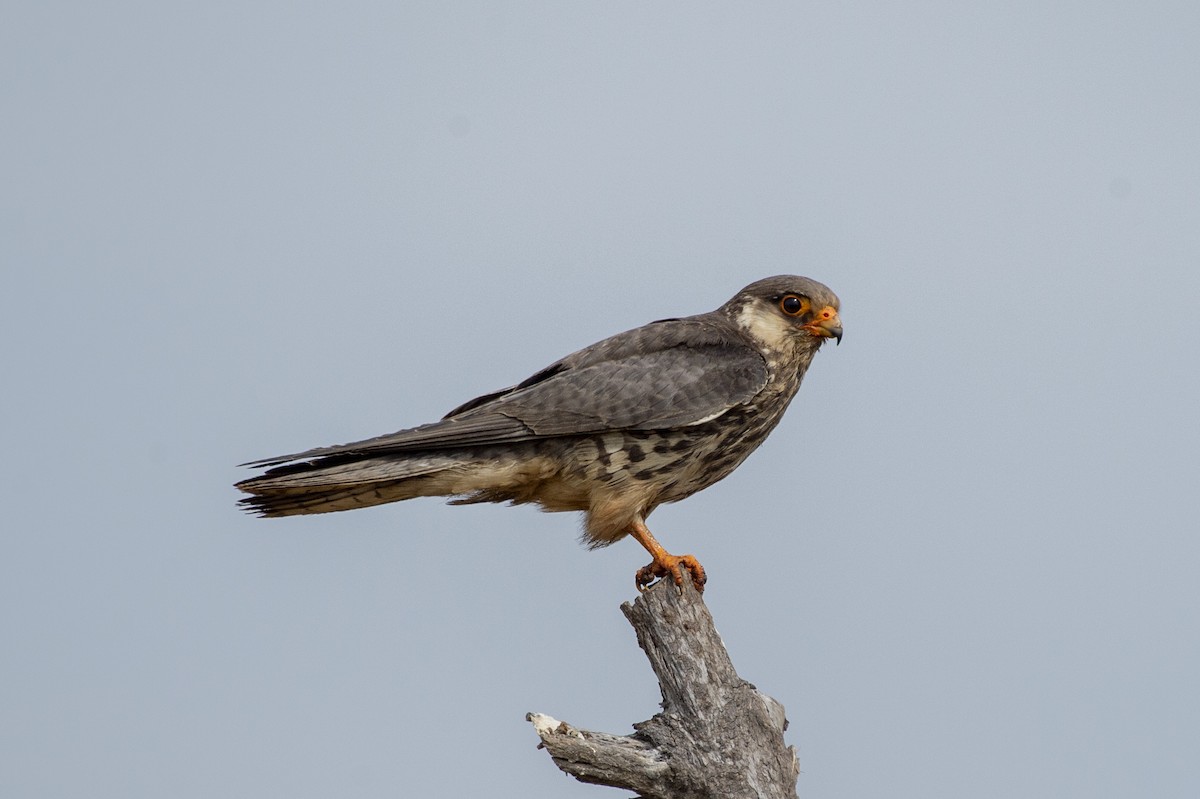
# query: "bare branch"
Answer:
x=717 y=737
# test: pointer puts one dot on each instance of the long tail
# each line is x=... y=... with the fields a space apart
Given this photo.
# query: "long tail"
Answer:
x=334 y=484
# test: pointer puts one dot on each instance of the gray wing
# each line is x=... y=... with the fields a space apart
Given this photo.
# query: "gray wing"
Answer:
x=673 y=373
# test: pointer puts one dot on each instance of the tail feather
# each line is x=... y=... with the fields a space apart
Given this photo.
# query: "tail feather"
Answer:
x=322 y=487
x=333 y=498
x=347 y=481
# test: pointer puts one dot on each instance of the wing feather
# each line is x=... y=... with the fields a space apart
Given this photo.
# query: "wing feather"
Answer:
x=672 y=373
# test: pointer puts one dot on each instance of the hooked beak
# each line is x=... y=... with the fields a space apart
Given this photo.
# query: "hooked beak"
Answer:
x=827 y=324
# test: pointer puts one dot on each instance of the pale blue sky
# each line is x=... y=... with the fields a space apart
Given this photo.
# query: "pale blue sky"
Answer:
x=966 y=562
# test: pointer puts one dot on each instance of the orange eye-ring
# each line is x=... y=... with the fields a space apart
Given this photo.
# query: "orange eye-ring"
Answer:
x=793 y=304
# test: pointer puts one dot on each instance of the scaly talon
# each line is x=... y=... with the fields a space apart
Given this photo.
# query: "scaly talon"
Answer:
x=664 y=562
x=673 y=566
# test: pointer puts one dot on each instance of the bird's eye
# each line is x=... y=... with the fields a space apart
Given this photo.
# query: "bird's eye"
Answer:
x=793 y=304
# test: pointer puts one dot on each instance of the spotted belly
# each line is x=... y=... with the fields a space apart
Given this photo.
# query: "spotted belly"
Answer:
x=620 y=476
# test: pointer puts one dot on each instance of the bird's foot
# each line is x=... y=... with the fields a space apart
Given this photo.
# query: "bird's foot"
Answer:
x=665 y=565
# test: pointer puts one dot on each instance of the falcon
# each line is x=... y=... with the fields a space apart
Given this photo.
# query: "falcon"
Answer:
x=646 y=417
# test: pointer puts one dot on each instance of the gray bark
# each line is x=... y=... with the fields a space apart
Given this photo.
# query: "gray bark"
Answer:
x=716 y=737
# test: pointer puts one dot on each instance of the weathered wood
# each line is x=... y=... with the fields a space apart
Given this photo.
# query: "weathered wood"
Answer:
x=717 y=737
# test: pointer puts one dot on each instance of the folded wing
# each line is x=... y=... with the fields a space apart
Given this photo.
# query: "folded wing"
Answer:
x=673 y=373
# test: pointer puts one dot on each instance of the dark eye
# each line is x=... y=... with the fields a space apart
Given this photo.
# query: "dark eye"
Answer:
x=793 y=304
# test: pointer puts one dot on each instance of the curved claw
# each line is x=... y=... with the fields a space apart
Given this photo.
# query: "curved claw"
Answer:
x=665 y=565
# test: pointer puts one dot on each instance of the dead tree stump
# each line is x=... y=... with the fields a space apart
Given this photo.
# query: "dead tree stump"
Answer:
x=717 y=737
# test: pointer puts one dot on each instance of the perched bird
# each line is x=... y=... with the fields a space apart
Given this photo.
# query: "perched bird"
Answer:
x=648 y=416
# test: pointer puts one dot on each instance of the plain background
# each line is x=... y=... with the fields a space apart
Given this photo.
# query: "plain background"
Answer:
x=966 y=562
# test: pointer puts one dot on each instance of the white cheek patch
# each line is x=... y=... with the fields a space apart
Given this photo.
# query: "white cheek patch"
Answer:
x=768 y=327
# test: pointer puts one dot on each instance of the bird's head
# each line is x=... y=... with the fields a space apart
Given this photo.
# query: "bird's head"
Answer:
x=786 y=311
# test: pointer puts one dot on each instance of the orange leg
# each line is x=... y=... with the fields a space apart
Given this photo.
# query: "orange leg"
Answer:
x=664 y=563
